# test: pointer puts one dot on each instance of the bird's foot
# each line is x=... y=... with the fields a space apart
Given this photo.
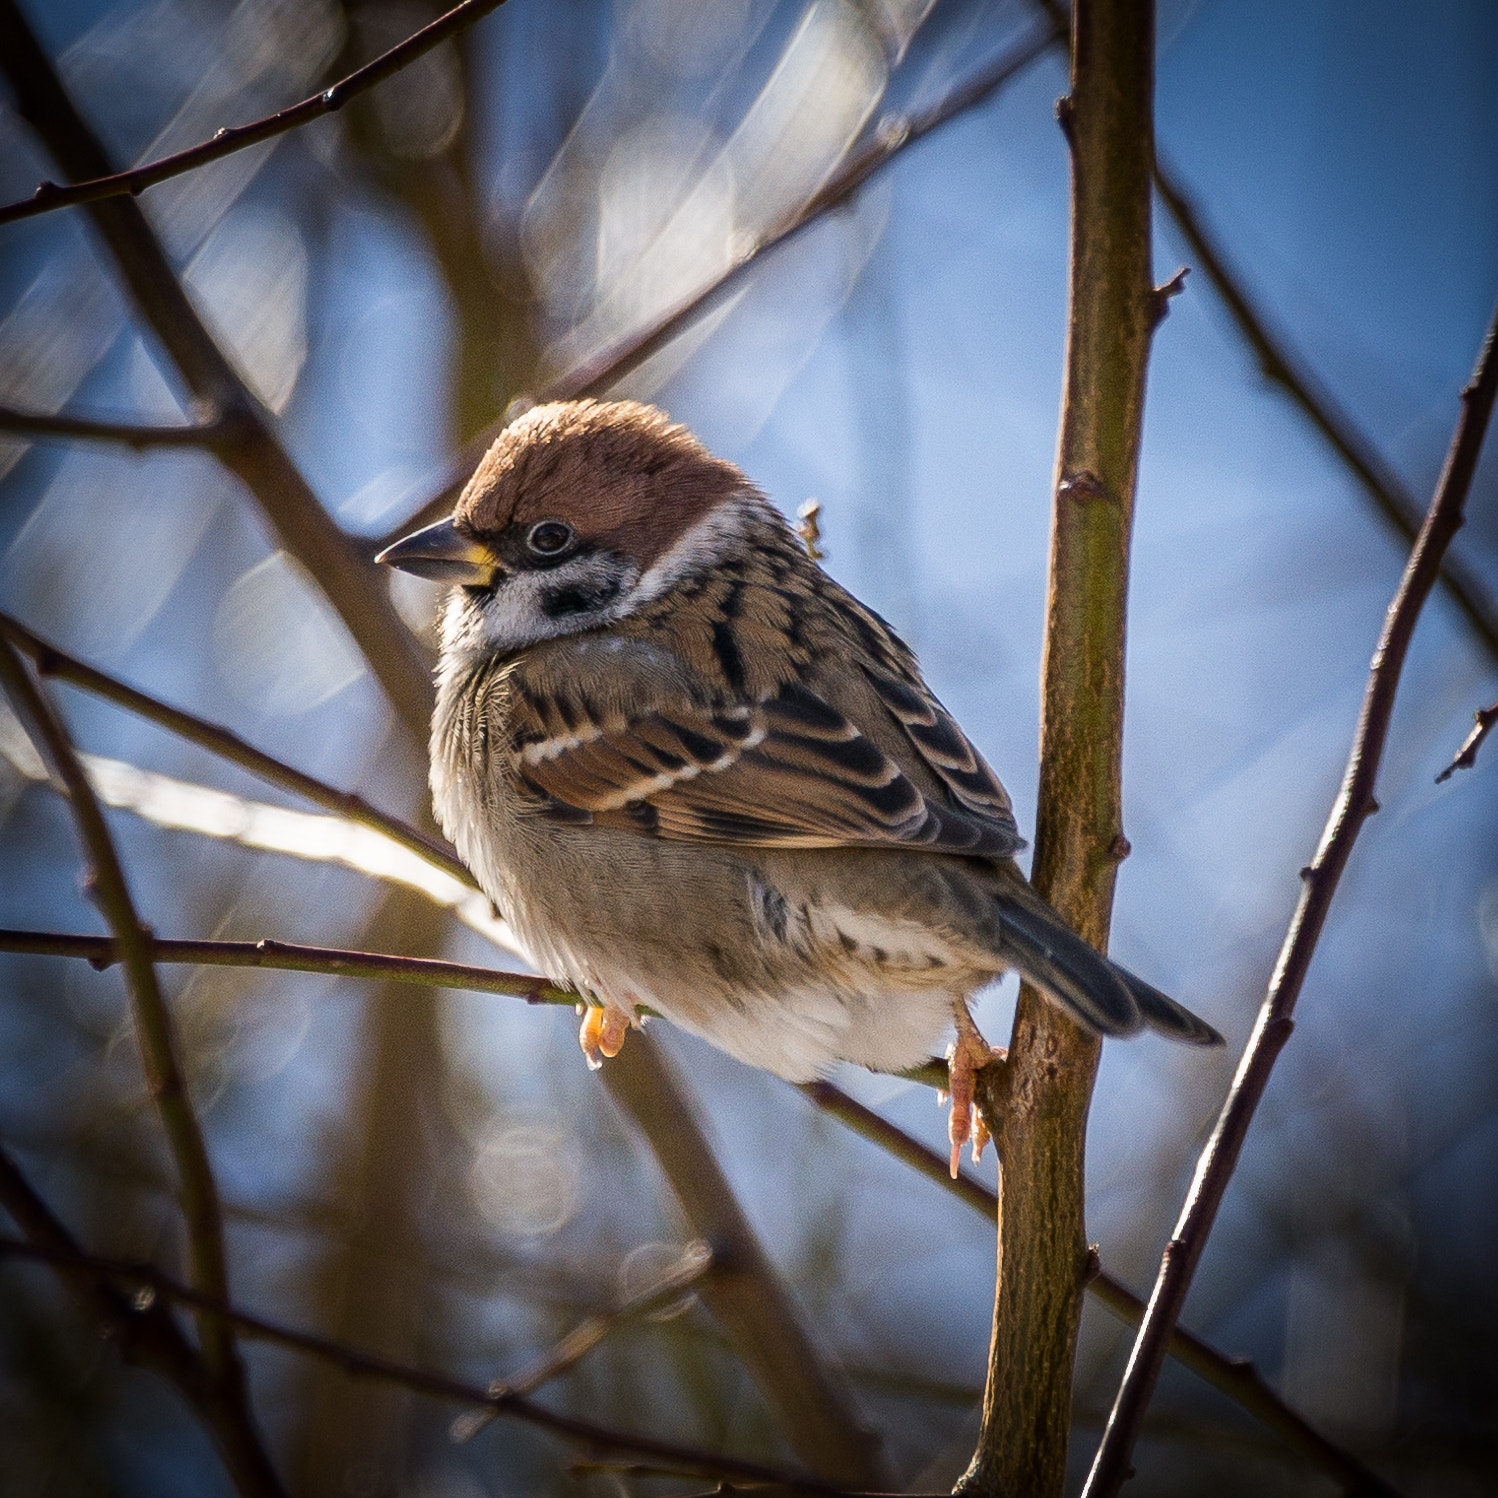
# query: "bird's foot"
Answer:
x=602 y=1032
x=965 y=1056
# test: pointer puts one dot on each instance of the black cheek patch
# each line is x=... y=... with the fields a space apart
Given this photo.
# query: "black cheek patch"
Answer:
x=579 y=598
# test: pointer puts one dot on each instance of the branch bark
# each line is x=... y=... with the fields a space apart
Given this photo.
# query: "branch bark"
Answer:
x=72 y=427
x=156 y=1038
x=1355 y=803
x=1036 y=1104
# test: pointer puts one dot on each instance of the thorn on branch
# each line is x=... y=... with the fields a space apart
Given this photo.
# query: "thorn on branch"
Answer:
x=1120 y=848
x=1066 y=117
x=1163 y=295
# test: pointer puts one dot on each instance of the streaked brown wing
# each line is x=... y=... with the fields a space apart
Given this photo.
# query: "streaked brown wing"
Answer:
x=944 y=747
x=789 y=772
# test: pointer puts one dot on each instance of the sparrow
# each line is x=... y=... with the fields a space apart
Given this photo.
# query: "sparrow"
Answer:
x=702 y=779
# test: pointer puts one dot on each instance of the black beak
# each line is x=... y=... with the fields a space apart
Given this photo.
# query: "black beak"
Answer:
x=443 y=555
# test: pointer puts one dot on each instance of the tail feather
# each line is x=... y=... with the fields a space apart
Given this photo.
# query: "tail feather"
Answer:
x=1097 y=992
x=1079 y=978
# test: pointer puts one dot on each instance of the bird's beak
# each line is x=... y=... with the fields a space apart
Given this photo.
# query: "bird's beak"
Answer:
x=443 y=555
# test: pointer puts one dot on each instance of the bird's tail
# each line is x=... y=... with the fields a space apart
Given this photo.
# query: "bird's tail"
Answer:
x=1094 y=990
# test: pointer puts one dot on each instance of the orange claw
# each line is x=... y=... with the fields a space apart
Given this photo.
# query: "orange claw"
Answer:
x=965 y=1056
x=602 y=1033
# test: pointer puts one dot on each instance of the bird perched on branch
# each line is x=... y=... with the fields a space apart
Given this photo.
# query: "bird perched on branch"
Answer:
x=701 y=778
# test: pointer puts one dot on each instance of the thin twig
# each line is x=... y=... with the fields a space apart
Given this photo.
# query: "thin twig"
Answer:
x=71 y=427
x=1355 y=803
x=50 y=661
x=1466 y=756
x=1285 y=366
x=155 y=1032
x=1238 y=1378
x=694 y=1263
x=245 y=440
x=595 y=375
x=283 y=956
x=360 y=1364
x=49 y=195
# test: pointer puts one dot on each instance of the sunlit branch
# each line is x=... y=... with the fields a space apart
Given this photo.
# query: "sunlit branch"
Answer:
x=1355 y=803
x=155 y=1031
x=66 y=427
x=246 y=442
x=502 y=1401
x=593 y=377
x=50 y=195
x=1238 y=1378
x=1466 y=756
x=50 y=661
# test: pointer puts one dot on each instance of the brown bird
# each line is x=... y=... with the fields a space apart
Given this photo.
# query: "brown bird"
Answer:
x=699 y=777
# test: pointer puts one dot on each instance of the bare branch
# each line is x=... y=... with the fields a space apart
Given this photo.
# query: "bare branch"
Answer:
x=1355 y=803
x=894 y=135
x=49 y=195
x=807 y=1396
x=75 y=428
x=1238 y=1378
x=360 y=1364
x=693 y=1265
x=245 y=442
x=154 y=1029
x=1466 y=756
x=1036 y=1104
x=50 y=661
x=101 y=952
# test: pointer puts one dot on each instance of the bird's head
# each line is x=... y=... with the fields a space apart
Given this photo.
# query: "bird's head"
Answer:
x=580 y=513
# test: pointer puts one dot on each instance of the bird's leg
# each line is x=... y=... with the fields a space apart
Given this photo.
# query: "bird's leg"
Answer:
x=965 y=1056
x=602 y=1032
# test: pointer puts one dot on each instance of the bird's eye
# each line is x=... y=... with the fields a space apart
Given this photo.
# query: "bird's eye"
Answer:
x=550 y=538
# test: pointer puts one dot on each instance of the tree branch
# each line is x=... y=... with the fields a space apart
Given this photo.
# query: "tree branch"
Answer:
x=154 y=1030
x=65 y=427
x=49 y=196
x=1238 y=1378
x=1466 y=756
x=744 y=1292
x=1036 y=1103
x=1355 y=803
x=50 y=661
x=245 y=441
x=502 y=1400
x=594 y=377
x=102 y=952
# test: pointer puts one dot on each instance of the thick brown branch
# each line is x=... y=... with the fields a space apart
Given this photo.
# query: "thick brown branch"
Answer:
x=66 y=427
x=49 y=195
x=155 y=1031
x=357 y=1363
x=1466 y=756
x=50 y=661
x=1036 y=1104
x=1238 y=1378
x=1354 y=805
x=245 y=440
x=597 y=374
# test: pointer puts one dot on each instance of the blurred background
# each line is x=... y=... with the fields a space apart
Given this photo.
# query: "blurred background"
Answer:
x=437 y=1175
